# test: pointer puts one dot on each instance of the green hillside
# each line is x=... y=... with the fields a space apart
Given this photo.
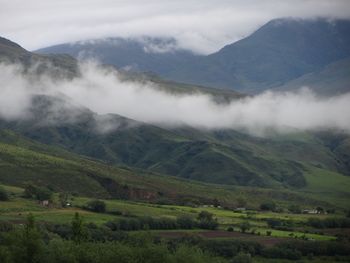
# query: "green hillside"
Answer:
x=23 y=161
x=80 y=155
x=221 y=157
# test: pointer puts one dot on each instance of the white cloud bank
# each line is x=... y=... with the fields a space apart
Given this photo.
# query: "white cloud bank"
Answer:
x=203 y=26
x=103 y=92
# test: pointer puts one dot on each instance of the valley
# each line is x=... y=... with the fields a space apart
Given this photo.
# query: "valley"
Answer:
x=171 y=176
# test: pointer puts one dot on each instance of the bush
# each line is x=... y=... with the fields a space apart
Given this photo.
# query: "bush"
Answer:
x=6 y=226
x=283 y=225
x=318 y=248
x=230 y=229
x=329 y=222
x=281 y=253
x=207 y=220
x=244 y=226
x=295 y=209
x=185 y=222
x=242 y=258
x=231 y=248
x=3 y=195
x=97 y=206
x=35 y=192
x=268 y=206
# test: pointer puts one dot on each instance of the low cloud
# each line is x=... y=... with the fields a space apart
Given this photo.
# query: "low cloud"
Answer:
x=201 y=26
x=103 y=91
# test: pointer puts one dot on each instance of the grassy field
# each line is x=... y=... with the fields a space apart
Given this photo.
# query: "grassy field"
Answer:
x=18 y=208
x=328 y=186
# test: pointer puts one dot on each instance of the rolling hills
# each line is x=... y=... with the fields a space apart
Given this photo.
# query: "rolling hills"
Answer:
x=75 y=148
x=24 y=161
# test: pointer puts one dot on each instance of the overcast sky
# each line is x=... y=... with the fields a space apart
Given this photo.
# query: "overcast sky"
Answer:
x=203 y=26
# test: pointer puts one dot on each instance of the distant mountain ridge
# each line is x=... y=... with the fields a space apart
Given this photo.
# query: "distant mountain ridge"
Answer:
x=278 y=52
x=158 y=55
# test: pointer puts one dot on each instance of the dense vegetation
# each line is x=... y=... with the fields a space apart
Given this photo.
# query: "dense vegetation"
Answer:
x=81 y=242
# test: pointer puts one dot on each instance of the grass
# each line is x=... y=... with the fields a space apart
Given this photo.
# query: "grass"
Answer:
x=28 y=161
x=328 y=186
x=18 y=208
x=23 y=160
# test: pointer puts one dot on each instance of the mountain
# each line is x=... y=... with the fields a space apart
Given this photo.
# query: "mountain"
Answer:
x=332 y=79
x=57 y=66
x=281 y=50
x=145 y=54
x=223 y=157
x=285 y=163
x=63 y=65
x=278 y=52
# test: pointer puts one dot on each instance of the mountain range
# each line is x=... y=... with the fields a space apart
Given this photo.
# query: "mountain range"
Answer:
x=133 y=159
x=283 y=54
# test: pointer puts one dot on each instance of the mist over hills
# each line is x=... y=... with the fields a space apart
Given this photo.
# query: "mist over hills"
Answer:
x=220 y=155
x=175 y=131
x=151 y=125
x=277 y=53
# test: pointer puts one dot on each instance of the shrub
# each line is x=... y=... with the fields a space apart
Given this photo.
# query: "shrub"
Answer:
x=271 y=206
x=185 y=222
x=329 y=222
x=96 y=206
x=35 y=192
x=230 y=229
x=244 y=226
x=3 y=195
x=295 y=209
x=207 y=220
x=231 y=248
x=242 y=258
x=6 y=226
x=281 y=253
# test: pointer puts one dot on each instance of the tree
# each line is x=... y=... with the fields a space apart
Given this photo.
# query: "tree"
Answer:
x=320 y=210
x=63 y=198
x=244 y=226
x=273 y=223
x=207 y=220
x=241 y=202
x=270 y=205
x=30 y=242
x=216 y=202
x=185 y=222
x=295 y=209
x=78 y=229
x=204 y=215
x=35 y=192
x=242 y=258
x=230 y=229
x=3 y=195
x=96 y=206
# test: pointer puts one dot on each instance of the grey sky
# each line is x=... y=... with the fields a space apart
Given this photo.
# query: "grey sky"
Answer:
x=202 y=25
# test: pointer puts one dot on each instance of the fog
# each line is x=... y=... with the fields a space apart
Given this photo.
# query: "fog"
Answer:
x=103 y=91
